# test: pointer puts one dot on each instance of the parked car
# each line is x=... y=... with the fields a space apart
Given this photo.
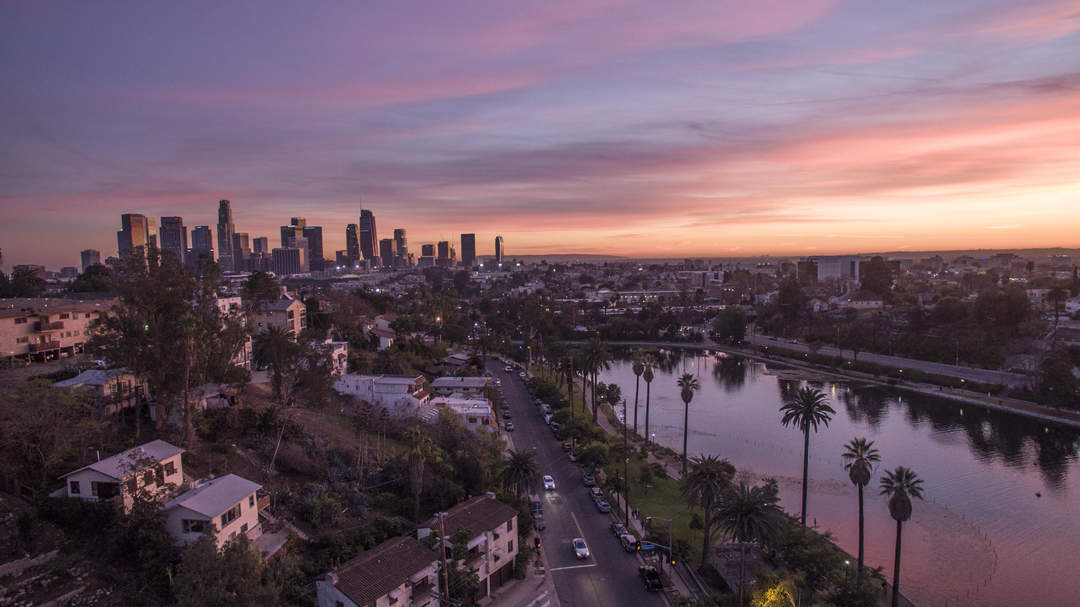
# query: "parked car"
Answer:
x=603 y=506
x=618 y=529
x=506 y=414
x=538 y=522
x=536 y=507
x=566 y=446
x=651 y=577
x=509 y=426
x=570 y=456
x=554 y=426
x=549 y=483
x=508 y=368
x=629 y=542
x=588 y=480
x=581 y=549
x=595 y=493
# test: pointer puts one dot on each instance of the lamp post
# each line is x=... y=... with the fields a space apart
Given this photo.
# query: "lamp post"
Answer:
x=626 y=467
x=670 y=537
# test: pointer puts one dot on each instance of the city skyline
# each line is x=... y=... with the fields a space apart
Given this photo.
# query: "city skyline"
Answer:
x=587 y=127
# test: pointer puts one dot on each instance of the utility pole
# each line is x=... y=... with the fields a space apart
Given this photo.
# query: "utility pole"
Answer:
x=442 y=553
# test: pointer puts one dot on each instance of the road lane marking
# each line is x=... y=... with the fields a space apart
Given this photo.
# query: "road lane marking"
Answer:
x=573 y=567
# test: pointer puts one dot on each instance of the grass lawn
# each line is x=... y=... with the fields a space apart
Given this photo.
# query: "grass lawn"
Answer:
x=662 y=499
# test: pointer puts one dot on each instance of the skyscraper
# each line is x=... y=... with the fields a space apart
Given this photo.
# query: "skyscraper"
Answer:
x=499 y=250
x=225 y=229
x=261 y=245
x=401 y=247
x=386 y=252
x=89 y=258
x=202 y=246
x=369 y=237
x=241 y=251
x=174 y=236
x=352 y=242
x=313 y=234
x=289 y=232
x=468 y=250
x=443 y=249
x=134 y=233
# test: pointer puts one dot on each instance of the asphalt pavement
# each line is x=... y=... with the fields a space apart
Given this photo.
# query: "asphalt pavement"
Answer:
x=609 y=576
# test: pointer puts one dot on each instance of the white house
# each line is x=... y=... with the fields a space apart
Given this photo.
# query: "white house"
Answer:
x=460 y=385
x=386 y=337
x=476 y=413
x=401 y=395
x=493 y=547
x=399 y=571
x=338 y=351
x=111 y=389
x=225 y=506
x=154 y=468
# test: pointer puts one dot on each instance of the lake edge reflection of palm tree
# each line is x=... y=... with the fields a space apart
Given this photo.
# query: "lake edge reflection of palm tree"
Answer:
x=807 y=409
x=900 y=485
x=688 y=384
x=859 y=458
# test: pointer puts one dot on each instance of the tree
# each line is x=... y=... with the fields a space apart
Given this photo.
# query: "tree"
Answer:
x=520 y=472
x=688 y=384
x=859 y=458
x=421 y=449
x=647 y=375
x=258 y=290
x=706 y=483
x=208 y=577
x=597 y=359
x=730 y=325
x=877 y=277
x=749 y=514
x=95 y=279
x=26 y=282
x=806 y=410
x=900 y=486
x=638 y=368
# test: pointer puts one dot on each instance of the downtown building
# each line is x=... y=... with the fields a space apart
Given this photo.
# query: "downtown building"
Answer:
x=90 y=257
x=369 y=237
x=225 y=229
x=136 y=232
x=468 y=250
x=174 y=237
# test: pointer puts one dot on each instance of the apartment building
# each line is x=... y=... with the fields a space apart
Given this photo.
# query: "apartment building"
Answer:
x=47 y=328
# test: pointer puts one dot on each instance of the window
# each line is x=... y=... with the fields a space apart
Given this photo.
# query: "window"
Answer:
x=74 y=487
x=290 y=315
x=87 y=315
x=148 y=477
x=20 y=321
x=194 y=526
x=170 y=467
x=131 y=485
x=22 y=340
x=159 y=474
x=230 y=515
x=510 y=546
x=510 y=525
x=65 y=316
x=251 y=501
x=93 y=488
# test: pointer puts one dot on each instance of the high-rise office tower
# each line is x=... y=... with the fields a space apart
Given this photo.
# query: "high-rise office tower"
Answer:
x=89 y=258
x=468 y=250
x=313 y=234
x=174 y=236
x=401 y=247
x=151 y=233
x=134 y=233
x=499 y=252
x=260 y=245
x=225 y=230
x=202 y=246
x=369 y=237
x=442 y=249
x=386 y=252
x=241 y=251
x=288 y=260
x=290 y=232
x=427 y=250
x=352 y=242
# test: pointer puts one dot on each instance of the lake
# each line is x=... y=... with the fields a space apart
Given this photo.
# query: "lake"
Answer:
x=1000 y=525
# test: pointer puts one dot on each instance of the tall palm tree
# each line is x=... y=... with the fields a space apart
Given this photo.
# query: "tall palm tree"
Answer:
x=859 y=458
x=597 y=358
x=688 y=384
x=806 y=410
x=647 y=375
x=639 y=368
x=900 y=485
x=520 y=472
x=748 y=514
x=706 y=483
x=569 y=368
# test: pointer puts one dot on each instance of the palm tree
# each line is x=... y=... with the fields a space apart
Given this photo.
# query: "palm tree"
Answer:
x=639 y=368
x=520 y=471
x=900 y=485
x=688 y=383
x=859 y=458
x=748 y=514
x=647 y=375
x=705 y=485
x=597 y=358
x=421 y=449
x=807 y=409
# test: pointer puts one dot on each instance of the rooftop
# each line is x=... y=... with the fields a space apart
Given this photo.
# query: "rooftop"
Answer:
x=91 y=377
x=461 y=382
x=121 y=465
x=382 y=569
x=477 y=515
x=216 y=496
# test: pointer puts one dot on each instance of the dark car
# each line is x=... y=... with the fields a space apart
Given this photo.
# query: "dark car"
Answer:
x=651 y=577
x=538 y=521
x=588 y=480
x=536 y=508
x=603 y=506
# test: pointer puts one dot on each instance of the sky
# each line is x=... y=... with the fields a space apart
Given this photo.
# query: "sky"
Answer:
x=650 y=129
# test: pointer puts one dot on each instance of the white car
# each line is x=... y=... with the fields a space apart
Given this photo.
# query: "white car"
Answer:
x=581 y=549
x=549 y=483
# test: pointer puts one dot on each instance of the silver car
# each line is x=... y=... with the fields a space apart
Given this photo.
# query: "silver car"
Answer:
x=581 y=549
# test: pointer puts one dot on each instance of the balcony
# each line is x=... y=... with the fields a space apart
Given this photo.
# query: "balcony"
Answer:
x=45 y=347
x=41 y=326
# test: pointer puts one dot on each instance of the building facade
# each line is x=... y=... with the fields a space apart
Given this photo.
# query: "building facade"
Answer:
x=468 y=250
x=225 y=229
x=369 y=237
x=43 y=328
x=174 y=236
x=90 y=257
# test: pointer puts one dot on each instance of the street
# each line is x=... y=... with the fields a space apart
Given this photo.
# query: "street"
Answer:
x=609 y=576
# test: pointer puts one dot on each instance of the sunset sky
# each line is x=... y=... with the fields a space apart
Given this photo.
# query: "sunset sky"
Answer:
x=658 y=129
